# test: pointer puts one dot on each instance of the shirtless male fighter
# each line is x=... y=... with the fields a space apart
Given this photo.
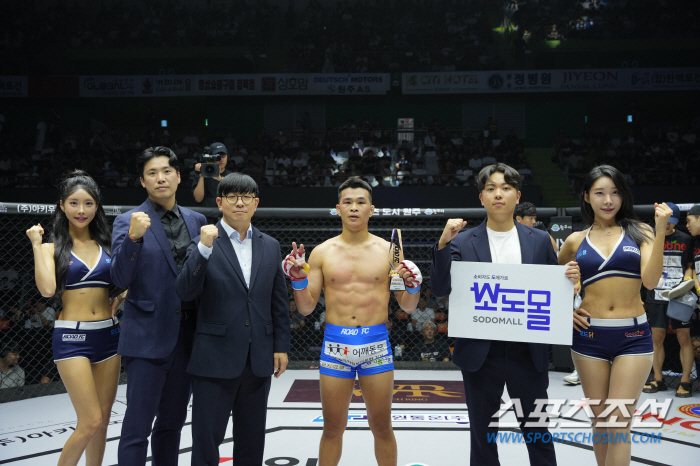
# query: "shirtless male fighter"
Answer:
x=353 y=269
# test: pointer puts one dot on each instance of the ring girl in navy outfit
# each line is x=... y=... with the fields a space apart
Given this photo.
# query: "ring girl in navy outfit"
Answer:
x=75 y=266
x=612 y=347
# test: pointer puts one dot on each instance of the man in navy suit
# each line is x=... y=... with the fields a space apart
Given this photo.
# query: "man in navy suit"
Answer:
x=149 y=244
x=488 y=365
x=243 y=328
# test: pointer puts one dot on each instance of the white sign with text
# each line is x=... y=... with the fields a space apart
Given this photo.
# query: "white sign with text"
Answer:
x=511 y=302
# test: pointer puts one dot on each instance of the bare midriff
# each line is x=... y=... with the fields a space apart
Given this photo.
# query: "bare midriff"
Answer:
x=356 y=284
x=86 y=304
x=614 y=298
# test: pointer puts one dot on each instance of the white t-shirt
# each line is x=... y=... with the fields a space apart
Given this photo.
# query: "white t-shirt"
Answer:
x=504 y=246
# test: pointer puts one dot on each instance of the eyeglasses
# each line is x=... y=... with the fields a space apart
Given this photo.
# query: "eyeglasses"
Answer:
x=233 y=198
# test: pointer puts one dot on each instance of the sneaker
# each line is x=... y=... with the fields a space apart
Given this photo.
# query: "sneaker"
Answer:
x=679 y=290
x=573 y=378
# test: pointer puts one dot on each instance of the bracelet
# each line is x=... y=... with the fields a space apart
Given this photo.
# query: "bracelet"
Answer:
x=299 y=285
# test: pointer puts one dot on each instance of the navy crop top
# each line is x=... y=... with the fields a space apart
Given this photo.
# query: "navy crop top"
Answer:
x=624 y=260
x=79 y=275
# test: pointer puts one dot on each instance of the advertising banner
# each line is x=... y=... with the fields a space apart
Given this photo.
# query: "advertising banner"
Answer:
x=13 y=86
x=612 y=79
x=511 y=302
x=235 y=84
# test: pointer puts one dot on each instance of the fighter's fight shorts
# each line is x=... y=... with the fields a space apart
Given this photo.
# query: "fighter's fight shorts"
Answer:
x=96 y=341
x=356 y=350
x=608 y=339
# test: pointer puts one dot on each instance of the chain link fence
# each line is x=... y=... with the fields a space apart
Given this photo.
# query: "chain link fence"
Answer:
x=26 y=318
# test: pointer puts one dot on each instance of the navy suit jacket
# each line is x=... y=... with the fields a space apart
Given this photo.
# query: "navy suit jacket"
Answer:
x=473 y=246
x=232 y=316
x=151 y=322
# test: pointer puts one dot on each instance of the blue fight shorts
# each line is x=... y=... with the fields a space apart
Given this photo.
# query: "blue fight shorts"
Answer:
x=606 y=339
x=356 y=350
x=96 y=341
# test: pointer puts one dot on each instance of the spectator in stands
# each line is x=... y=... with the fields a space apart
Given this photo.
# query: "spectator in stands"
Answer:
x=422 y=314
x=678 y=265
x=11 y=374
x=41 y=315
x=204 y=189
x=526 y=213
x=296 y=320
x=430 y=348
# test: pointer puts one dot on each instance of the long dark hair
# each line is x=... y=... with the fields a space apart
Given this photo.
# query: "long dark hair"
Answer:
x=99 y=228
x=625 y=217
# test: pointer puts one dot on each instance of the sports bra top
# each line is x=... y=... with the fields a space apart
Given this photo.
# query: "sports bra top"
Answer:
x=623 y=261
x=79 y=275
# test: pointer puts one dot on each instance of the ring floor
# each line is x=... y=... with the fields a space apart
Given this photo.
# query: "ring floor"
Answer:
x=430 y=422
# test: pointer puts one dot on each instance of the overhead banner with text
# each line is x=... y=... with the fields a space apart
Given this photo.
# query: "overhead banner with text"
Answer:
x=235 y=84
x=612 y=79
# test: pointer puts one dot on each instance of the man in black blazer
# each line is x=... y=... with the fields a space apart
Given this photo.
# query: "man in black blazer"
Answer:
x=149 y=244
x=488 y=365
x=234 y=272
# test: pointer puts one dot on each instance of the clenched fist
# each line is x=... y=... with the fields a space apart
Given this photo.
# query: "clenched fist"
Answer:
x=140 y=222
x=451 y=229
x=208 y=234
x=662 y=213
x=35 y=234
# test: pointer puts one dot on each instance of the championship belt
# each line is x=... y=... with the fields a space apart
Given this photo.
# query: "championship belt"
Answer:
x=395 y=258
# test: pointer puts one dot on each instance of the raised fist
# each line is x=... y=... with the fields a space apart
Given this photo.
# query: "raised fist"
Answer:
x=140 y=222
x=35 y=234
x=209 y=234
x=453 y=226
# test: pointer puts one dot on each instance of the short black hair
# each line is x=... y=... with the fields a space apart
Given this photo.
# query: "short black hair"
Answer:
x=510 y=174
x=9 y=347
x=352 y=183
x=525 y=209
x=237 y=183
x=158 y=151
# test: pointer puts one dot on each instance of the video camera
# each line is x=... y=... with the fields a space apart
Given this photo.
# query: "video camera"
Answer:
x=210 y=164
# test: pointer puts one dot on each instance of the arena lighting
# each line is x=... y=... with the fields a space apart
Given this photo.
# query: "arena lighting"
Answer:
x=553 y=44
x=206 y=122
x=163 y=123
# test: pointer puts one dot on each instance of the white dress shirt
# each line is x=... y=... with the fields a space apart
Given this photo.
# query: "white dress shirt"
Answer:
x=243 y=249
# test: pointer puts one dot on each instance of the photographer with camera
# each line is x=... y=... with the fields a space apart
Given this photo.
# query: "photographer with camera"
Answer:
x=211 y=169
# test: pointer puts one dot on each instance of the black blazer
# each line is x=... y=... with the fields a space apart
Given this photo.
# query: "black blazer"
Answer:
x=473 y=246
x=231 y=316
x=151 y=320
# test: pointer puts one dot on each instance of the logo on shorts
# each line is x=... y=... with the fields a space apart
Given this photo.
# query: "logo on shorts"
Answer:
x=73 y=337
x=638 y=333
x=350 y=331
x=337 y=367
x=586 y=334
x=379 y=362
x=631 y=249
x=115 y=331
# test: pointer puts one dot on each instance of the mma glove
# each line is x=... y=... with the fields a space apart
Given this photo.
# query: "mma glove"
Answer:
x=417 y=277
x=297 y=283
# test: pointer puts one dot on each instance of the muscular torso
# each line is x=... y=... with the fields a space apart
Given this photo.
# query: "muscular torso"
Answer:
x=356 y=281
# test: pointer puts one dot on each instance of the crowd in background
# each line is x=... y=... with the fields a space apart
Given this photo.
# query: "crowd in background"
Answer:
x=340 y=37
x=660 y=154
x=600 y=19
x=429 y=155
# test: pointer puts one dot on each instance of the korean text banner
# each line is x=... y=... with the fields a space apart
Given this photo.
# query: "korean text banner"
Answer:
x=235 y=85
x=13 y=86
x=511 y=302
x=609 y=79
